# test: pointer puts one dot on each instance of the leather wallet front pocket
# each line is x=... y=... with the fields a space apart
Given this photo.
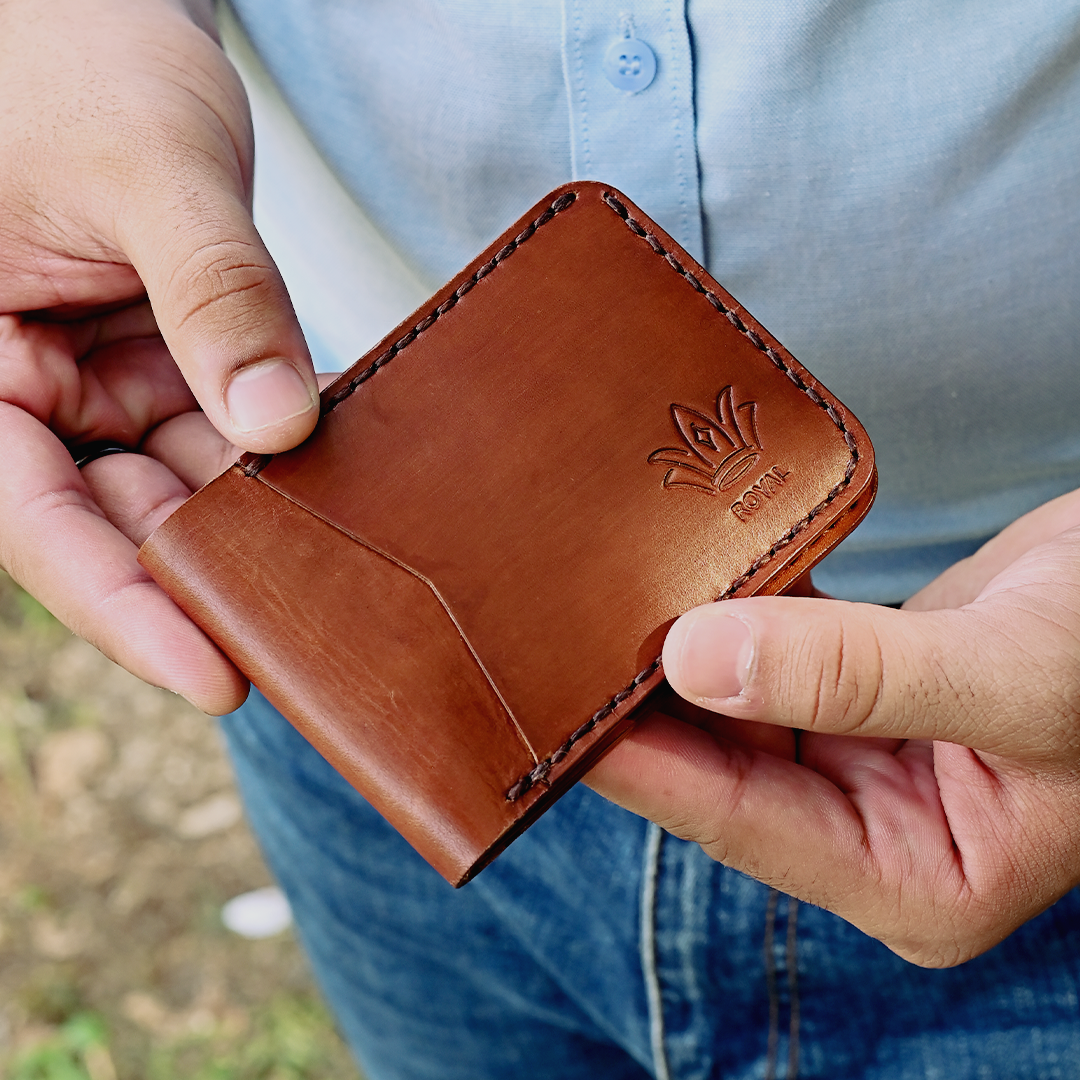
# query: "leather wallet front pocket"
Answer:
x=457 y=589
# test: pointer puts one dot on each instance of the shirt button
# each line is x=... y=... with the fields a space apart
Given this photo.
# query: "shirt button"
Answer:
x=629 y=64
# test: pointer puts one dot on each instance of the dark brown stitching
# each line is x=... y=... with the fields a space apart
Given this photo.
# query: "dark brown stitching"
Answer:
x=849 y=440
x=540 y=773
x=252 y=464
x=429 y=320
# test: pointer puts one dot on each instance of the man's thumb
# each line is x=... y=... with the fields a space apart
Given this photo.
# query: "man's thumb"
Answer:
x=225 y=315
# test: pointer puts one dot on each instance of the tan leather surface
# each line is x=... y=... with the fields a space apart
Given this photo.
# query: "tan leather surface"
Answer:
x=458 y=587
x=351 y=700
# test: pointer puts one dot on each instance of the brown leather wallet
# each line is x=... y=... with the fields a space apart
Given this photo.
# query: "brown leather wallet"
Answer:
x=458 y=587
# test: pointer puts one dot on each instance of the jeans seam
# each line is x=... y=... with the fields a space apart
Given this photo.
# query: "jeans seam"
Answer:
x=793 y=987
x=770 y=985
x=654 y=837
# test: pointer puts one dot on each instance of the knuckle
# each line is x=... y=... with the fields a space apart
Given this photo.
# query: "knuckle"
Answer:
x=845 y=672
x=947 y=946
x=721 y=831
x=221 y=275
x=953 y=923
x=933 y=954
x=1020 y=689
x=1047 y=723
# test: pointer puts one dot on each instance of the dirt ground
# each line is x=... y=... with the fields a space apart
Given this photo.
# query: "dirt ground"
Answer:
x=120 y=838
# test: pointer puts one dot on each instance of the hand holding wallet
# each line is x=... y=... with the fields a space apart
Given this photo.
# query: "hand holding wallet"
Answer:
x=458 y=587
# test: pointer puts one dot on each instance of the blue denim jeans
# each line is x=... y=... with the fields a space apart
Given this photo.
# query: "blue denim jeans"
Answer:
x=599 y=947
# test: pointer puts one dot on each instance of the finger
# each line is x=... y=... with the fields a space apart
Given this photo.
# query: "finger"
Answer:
x=133 y=321
x=733 y=800
x=222 y=307
x=965 y=581
x=103 y=324
x=995 y=675
x=771 y=818
x=852 y=763
x=90 y=380
x=58 y=545
x=783 y=823
x=767 y=737
x=192 y=448
x=179 y=209
x=127 y=387
x=134 y=492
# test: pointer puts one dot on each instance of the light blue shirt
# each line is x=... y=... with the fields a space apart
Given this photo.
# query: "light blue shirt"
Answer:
x=891 y=186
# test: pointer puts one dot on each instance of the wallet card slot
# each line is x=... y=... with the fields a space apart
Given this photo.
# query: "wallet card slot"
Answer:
x=541 y=769
x=433 y=589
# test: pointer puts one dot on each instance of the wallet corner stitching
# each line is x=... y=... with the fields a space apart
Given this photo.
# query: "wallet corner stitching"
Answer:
x=555 y=207
x=732 y=317
x=778 y=361
x=253 y=464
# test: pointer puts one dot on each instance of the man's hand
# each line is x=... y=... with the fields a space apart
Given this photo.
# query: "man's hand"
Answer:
x=917 y=772
x=125 y=172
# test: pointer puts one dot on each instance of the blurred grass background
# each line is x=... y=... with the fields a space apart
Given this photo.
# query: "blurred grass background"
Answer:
x=120 y=839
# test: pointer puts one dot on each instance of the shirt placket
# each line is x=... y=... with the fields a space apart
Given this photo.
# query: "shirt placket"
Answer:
x=632 y=125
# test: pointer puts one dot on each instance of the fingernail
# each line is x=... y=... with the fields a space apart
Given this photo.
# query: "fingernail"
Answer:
x=713 y=658
x=266 y=394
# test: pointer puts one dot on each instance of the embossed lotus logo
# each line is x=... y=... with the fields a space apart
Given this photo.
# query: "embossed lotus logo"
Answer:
x=717 y=452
